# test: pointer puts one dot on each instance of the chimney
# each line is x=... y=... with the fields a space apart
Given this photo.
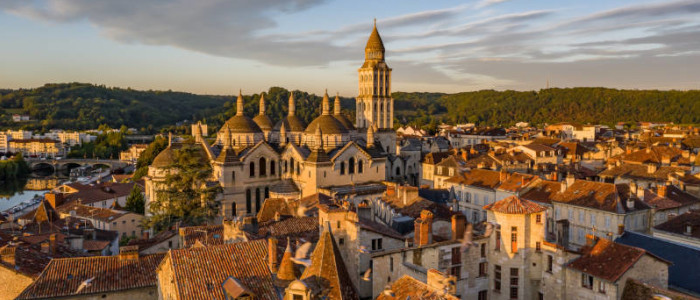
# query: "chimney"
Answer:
x=665 y=159
x=7 y=255
x=630 y=203
x=129 y=252
x=278 y=216
x=272 y=254
x=590 y=240
x=570 y=180
x=503 y=175
x=620 y=229
x=651 y=168
x=459 y=222
x=423 y=229
x=52 y=243
x=661 y=190
x=555 y=176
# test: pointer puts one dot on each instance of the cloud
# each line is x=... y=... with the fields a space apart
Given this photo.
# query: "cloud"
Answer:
x=485 y=3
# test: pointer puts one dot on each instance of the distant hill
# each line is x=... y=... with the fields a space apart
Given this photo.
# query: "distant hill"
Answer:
x=85 y=106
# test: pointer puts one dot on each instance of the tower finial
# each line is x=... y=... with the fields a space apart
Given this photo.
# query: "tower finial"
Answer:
x=325 y=104
x=262 y=103
x=239 y=103
x=375 y=22
x=292 y=104
x=336 y=104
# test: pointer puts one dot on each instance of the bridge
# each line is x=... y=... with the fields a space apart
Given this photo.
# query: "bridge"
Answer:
x=69 y=163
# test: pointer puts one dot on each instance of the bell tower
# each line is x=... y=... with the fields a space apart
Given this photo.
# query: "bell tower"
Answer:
x=374 y=104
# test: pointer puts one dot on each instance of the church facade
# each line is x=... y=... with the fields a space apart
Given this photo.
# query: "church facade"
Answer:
x=253 y=159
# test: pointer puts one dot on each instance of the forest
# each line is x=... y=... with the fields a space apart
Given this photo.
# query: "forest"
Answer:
x=86 y=106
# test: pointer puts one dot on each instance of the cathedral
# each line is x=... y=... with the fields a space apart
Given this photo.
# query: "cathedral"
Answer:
x=254 y=159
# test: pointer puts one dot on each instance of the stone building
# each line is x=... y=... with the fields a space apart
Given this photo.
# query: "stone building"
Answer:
x=252 y=159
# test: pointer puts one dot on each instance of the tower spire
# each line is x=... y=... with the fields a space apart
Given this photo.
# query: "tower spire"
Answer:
x=325 y=105
x=283 y=135
x=292 y=104
x=370 y=135
x=336 y=104
x=239 y=103
x=262 y=103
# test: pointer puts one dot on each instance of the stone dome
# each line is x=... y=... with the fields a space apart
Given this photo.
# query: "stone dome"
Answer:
x=164 y=158
x=329 y=125
x=291 y=124
x=263 y=122
x=343 y=120
x=242 y=124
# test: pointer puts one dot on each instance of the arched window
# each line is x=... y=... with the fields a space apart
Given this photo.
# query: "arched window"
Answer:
x=298 y=169
x=252 y=169
x=291 y=165
x=342 y=168
x=257 y=200
x=248 y=206
x=272 y=167
x=233 y=176
x=263 y=167
x=351 y=165
x=233 y=209
x=285 y=166
x=398 y=171
x=267 y=192
x=359 y=166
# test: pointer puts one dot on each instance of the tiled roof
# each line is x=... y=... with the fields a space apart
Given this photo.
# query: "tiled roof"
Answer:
x=95 y=213
x=110 y=273
x=407 y=286
x=379 y=228
x=599 y=195
x=654 y=154
x=100 y=192
x=29 y=259
x=144 y=244
x=327 y=271
x=479 y=178
x=637 y=171
x=542 y=191
x=679 y=224
x=674 y=198
x=272 y=206
x=607 y=260
x=516 y=182
x=199 y=272
x=205 y=234
x=637 y=290
x=297 y=227
x=682 y=273
x=515 y=205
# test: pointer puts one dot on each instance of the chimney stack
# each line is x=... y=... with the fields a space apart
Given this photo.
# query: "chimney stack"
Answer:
x=423 y=229
x=272 y=253
x=364 y=211
x=52 y=243
x=129 y=252
x=459 y=222
x=661 y=190
x=7 y=255
x=651 y=168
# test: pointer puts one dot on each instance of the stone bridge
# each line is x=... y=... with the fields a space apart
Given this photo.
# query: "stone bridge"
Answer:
x=69 y=163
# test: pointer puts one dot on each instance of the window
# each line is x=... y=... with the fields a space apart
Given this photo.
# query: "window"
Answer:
x=456 y=272
x=252 y=169
x=498 y=241
x=351 y=165
x=538 y=218
x=483 y=295
x=497 y=278
x=550 y=262
x=272 y=167
x=298 y=169
x=341 y=241
x=513 y=292
x=514 y=239
x=456 y=256
x=592 y=219
x=257 y=200
x=467 y=197
x=538 y=246
x=607 y=222
x=267 y=192
x=233 y=209
x=297 y=297
x=391 y=264
x=337 y=224
x=398 y=171
x=587 y=281
x=483 y=250
x=482 y=269
x=342 y=168
x=376 y=244
x=233 y=176
x=170 y=244
x=263 y=165
x=360 y=166
x=601 y=287
x=580 y=216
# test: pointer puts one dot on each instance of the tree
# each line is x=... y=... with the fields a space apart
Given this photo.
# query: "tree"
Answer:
x=135 y=201
x=185 y=195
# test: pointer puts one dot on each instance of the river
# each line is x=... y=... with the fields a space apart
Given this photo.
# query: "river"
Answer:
x=19 y=191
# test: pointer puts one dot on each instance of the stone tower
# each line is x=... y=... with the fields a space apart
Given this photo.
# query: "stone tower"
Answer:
x=374 y=104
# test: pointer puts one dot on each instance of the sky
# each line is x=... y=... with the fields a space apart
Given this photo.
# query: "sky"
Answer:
x=221 y=46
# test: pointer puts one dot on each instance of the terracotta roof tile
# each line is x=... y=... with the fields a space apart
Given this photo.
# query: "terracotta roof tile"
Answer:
x=607 y=260
x=199 y=273
x=679 y=224
x=515 y=205
x=110 y=273
x=327 y=271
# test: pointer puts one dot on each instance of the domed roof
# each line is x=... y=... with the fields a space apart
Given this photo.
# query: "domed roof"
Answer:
x=164 y=158
x=263 y=122
x=242 y=124
x=329 y=125
x=343 y=120
x=291 y=124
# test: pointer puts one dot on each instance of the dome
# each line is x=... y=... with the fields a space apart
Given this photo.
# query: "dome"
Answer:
x=263 y=122
x=291 y=124
x=242 y=124
x=329 y=125
x=343 y=120
x=164 y=158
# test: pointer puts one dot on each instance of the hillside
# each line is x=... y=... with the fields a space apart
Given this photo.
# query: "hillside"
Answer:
x=86 y=106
